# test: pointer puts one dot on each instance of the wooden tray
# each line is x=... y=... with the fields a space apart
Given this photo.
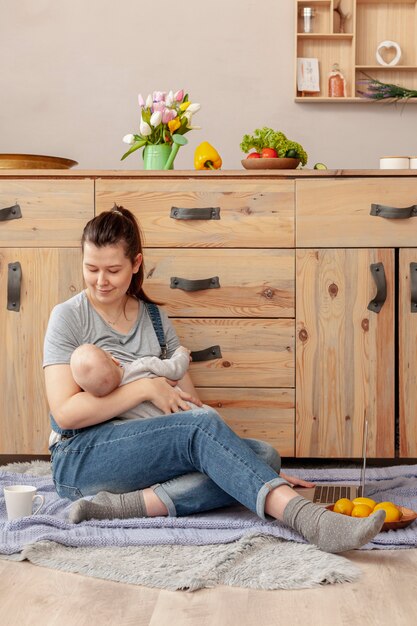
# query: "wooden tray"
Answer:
x=34 y=162
x=408 y=517
x=270 y=164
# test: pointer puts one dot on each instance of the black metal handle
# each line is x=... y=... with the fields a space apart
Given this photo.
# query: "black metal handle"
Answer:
x=10 y=213
x=208 y=354
x=195 y=285
x=378 y=272
x=209 y=213
x=14 y=280
x=413 y=287
x=394 y=213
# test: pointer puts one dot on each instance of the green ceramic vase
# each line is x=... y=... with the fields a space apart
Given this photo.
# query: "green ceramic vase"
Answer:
x=155 y=157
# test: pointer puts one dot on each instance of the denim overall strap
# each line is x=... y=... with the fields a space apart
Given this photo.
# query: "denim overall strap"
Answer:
x=155 y=316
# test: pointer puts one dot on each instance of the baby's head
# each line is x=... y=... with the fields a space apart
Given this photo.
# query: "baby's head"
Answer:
x=94 y=370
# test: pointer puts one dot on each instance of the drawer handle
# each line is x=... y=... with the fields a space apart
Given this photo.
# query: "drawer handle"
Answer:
x=195 y=285
x=14 y=280
x=208 y=354
x=413 y=283
x=393 y=213
x=378 y=272
x=10 y=213
x=209 y=213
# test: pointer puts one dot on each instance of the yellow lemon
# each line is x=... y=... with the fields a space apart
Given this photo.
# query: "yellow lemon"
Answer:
x=361 y=510
x=343 y=506
x=368 y=501
x=392 y=513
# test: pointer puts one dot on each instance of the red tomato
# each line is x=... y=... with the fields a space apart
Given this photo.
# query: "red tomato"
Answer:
x=269 y=153
x=254 y=155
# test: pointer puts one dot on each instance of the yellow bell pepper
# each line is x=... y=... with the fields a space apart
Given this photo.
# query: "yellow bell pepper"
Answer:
x=206 y=157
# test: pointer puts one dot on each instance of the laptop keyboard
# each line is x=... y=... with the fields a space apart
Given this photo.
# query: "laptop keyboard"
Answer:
x=326 y=494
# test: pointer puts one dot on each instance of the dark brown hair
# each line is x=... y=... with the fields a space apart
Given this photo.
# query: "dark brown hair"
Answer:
x=119 y=226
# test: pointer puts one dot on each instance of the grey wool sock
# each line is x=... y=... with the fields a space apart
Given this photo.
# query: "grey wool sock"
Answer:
x=331 y=532
x=106 y=505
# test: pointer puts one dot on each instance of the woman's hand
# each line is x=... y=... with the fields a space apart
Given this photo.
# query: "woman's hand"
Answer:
x=296 y=482
x=167 y=396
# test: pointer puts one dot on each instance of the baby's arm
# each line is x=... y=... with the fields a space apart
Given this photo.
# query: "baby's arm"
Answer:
x=174 y=368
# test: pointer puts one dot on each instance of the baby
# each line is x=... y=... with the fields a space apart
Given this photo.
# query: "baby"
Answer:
x=99 y=373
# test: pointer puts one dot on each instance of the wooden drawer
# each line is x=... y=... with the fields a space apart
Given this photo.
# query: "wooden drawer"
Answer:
x=258 y=214
x=266 y=414
x=334 y=213
x=255 y=353
x=53 y=212
x=251 y=283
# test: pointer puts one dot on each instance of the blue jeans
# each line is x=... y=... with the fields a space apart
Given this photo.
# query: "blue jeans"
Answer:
x=194 y=461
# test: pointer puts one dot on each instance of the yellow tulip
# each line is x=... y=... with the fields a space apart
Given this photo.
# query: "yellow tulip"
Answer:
x=184 y=106
x=174 y=124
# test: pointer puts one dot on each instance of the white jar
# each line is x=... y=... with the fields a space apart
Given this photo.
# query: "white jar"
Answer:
x=394 y=163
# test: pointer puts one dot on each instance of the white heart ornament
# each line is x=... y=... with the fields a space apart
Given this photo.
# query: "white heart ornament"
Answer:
x=385 y=46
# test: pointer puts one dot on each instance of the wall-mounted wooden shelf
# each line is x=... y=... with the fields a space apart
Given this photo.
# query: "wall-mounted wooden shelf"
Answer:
x=368 y=23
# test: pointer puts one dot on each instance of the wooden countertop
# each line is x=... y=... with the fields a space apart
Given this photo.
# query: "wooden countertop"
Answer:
x=270 y=174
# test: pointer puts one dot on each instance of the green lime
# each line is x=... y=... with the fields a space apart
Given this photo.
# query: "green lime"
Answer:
x=291 y=154
x=320 y=166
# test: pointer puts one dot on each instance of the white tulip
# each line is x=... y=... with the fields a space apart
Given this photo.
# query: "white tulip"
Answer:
x=169 y=99
x=193 y=108
x=156 y=118
x=149 y=101
x=129 y=139
x=144 y=128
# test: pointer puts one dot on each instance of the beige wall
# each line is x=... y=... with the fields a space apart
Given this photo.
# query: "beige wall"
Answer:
x=71 y=71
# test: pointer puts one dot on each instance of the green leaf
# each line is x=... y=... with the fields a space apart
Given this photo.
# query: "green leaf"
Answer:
x=133 y=148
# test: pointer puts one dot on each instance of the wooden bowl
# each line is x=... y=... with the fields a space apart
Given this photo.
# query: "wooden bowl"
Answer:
x=408 y=517
x=275 y=163
x=34 y=162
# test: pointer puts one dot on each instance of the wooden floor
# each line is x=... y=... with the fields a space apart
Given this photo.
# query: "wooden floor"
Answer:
x=386 y=595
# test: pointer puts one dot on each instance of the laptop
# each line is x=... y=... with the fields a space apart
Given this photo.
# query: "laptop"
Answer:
x=329 y=493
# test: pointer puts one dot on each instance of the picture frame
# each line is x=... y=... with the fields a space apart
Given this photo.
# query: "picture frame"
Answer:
x=308 y=75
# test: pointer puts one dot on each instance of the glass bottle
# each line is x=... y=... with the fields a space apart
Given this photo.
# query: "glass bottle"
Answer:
x=337 y=83
x=308 y=14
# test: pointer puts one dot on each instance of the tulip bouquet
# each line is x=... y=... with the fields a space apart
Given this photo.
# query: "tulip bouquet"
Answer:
x=164 y=117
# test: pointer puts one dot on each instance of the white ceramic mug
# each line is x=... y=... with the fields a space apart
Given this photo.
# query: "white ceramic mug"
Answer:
x=394 y=163
x=20 y=499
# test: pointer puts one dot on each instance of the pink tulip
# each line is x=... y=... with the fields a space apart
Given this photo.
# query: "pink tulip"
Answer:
x=141 y=101
x=159 y=106
x=179 y=95
x=159 y=95
x=168 y=115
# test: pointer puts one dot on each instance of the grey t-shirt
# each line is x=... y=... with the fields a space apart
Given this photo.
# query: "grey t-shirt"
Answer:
x=75 y=322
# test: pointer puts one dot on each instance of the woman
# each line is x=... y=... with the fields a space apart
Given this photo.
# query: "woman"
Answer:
x=183 y=462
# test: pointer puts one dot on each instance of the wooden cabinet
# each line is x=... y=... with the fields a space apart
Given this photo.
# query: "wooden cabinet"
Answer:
x=220 y=254
x=40 y=265
x=356 y=327
x=273 y=277
x=352 y=43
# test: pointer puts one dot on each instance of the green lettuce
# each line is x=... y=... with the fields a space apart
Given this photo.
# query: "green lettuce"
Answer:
x=269 y=138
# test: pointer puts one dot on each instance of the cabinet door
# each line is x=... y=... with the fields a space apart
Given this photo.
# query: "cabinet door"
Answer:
x=48 y=276
x=408 y=352
x=344 y=354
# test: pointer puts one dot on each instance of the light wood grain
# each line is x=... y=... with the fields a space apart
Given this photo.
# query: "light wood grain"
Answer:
x=49 y=276
x=255 y=352
x=253 y=283
x=52 y=213
x=259 y=215
x=266 y=414
x=407 y=358
x=337 y=213
x=345 y=354
x=385 y=595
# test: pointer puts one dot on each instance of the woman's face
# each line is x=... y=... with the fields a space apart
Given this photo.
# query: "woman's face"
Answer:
x=107 y=272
